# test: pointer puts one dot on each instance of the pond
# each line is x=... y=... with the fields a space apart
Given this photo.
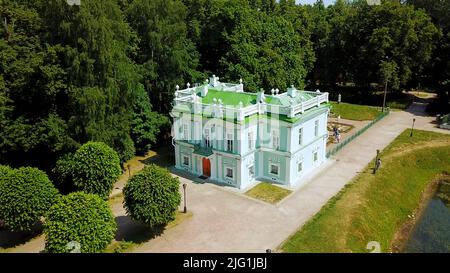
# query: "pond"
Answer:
x=431 y=233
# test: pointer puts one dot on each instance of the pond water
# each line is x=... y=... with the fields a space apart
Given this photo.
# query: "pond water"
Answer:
x=432 y=231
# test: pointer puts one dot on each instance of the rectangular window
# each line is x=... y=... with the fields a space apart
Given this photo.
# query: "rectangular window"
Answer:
x=316 y=128
x=300 y=166
x=229 y=173
x=250 y=140
x=273 y=169
x=229 y=142
x=300 y=136
x=315 y=156
x=207 y=139
x=185 y=160
x=185 y=131
x=275 y=140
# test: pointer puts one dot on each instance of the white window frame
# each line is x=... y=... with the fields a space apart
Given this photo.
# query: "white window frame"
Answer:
x=250 y=140
x=207 y=138
x=316 y=128
x=300 y=163
x=278 y=169
x=275 y=140
x=251 y=171
x=185 y=131
x=300 y=136
x=188 y=160
x=226 y=173
x=315 y=156
x=230 y=143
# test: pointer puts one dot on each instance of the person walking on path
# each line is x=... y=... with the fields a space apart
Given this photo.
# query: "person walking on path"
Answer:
x=377 y=166
x=337 y=135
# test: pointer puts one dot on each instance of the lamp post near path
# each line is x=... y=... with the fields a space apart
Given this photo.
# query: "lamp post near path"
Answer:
x=184 y=191
x=412 y=128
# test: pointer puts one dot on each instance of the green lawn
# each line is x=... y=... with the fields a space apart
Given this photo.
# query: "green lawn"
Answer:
x=374 y=207
x=354 y=111
x=268 y=193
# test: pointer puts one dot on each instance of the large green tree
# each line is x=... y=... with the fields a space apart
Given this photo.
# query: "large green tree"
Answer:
x=166 y=56
x=97 y=42
x=32 y=81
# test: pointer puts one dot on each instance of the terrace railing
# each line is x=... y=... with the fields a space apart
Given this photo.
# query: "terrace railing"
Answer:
x=185 y=101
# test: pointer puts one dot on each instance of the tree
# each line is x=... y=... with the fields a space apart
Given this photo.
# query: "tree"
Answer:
x=152 y=196
x=31 y=81
x=96 y=44
x=25 y=196
x=94 y=168
x=166 y=56
x=437 y=72
x=80 y=218
x=145 y=124
x=267 y=52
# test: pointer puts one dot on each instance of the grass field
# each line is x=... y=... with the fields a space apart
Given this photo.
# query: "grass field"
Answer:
x=268 y=193
x=374 y=207
x=354 y=111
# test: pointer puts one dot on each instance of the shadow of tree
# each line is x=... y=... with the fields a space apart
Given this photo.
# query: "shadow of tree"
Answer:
x=10 y=239
x=164 y=157
x=132 y=231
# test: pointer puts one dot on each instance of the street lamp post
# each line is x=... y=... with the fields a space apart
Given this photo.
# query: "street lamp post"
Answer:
x=412 y=127
x=376 y=160
x=384 y=97
x=184 y=191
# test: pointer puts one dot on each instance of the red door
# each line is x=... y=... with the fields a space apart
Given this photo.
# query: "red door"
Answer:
x=206 y=167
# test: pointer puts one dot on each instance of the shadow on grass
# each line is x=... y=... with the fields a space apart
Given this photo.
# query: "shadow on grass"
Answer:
x=132 y=231
x=10 y=239
x=164 y=157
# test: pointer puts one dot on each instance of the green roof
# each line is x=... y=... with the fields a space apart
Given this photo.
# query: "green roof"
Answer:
x=231 y=98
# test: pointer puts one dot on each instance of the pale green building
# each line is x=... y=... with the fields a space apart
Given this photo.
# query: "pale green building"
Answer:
x=236 y=138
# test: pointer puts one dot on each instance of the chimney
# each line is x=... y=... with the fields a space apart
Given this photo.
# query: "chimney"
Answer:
x=204 y=90
x=292 y=92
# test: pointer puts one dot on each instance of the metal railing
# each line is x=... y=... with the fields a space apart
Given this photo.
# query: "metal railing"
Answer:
x=342 y=144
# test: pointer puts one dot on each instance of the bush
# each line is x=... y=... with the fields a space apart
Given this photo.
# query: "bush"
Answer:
x=94 y=168
x=4 y=170
x=82 y=218
x=152 y=196
x=25 y=196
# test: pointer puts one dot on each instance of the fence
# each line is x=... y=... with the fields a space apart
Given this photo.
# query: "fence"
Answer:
x=338 y=147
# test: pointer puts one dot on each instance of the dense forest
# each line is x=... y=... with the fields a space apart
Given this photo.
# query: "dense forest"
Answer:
x=106 y=70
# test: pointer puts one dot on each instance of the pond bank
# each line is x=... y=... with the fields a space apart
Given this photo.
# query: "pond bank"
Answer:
x=431 y=232
x=403 y=234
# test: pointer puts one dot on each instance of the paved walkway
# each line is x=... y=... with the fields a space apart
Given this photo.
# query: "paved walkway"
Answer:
x=225 y=221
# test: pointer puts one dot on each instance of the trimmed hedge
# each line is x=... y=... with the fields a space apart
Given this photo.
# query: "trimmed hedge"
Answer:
x=152 y=196
x=82 y=218
x=25 y=196
x=94 y=168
